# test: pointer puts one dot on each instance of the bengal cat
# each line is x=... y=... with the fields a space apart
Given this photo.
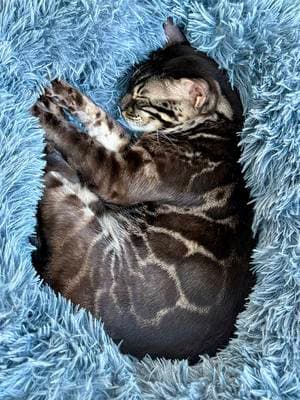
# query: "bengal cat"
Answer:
x=153 y=234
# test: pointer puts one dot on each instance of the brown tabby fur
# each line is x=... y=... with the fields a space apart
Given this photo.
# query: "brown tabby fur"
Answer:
x=152 y=235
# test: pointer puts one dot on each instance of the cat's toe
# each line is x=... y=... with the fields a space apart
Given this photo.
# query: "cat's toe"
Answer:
x=40 y=107
x=47 y=104
x=59 y=89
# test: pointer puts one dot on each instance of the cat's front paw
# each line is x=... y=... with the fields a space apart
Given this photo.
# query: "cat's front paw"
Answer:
x=64 y=95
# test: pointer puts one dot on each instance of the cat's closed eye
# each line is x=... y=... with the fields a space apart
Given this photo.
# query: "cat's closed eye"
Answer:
x=142 y=102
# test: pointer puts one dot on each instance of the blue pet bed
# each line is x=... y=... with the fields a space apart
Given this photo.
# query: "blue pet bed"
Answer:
x=48 y=348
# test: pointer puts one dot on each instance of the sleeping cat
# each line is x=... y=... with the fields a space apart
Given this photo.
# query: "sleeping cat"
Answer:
x=153 y=234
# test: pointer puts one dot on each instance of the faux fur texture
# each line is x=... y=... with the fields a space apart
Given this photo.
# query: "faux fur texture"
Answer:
x=48 y=349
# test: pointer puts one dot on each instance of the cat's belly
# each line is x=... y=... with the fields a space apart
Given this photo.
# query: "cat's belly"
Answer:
x=158 y=289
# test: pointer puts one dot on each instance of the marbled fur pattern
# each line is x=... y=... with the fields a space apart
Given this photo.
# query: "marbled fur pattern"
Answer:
x=153 y=236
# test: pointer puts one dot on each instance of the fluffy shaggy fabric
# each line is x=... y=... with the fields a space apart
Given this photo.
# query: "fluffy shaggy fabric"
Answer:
x=49 y=349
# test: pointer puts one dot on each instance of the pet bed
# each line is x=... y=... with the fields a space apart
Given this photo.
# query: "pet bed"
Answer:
x=48 y=348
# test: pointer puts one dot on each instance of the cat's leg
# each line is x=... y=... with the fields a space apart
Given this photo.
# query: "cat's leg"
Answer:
x=57 y=164
x=67 y=222
x=136 y=175
x=59 y=180
x=123 y=178
x=109 y=173
x=99 y=124
x=59 y=173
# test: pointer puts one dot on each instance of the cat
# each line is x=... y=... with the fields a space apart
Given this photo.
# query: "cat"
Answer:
x=152 y=235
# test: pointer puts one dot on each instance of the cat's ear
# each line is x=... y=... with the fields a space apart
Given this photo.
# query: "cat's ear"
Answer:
x=197 y=90
x=173 y=33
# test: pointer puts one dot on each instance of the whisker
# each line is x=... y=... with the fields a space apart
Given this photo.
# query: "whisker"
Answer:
x=168 y=138
x=157 y=137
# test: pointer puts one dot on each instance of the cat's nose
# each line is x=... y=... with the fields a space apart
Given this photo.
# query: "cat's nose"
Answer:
x=125 y=101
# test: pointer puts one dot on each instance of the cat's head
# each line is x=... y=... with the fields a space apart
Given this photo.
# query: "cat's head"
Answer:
x=176 y=85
